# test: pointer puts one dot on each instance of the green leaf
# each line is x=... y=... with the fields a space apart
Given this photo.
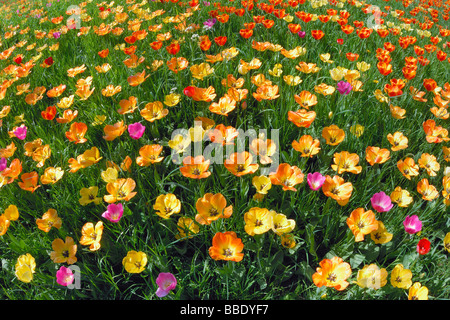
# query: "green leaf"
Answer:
x=356 y=260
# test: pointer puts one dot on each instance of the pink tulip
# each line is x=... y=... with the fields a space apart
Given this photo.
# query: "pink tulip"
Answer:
x=3 y=164
x=136 y=130
x=21 y=132
x=114 y=212
x=412 y=224
x=381 y=202
x=315 y=180
x=166 y=282
x=64 y=276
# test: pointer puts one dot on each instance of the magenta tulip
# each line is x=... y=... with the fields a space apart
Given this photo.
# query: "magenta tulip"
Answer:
x=114 y=212
x=64 y=276
x=136 y=130
x=381 y=202
x=315 y=180
x=166 y=282
x=412 y=224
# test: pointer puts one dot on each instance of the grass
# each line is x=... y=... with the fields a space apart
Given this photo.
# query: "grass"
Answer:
x=268 y=270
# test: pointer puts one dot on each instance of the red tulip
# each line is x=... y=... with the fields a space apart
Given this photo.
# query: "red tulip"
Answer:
x=423 y=247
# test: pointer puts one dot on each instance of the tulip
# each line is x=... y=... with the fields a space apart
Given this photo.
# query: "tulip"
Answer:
x=412 y=224
x=344 y=87
x=21 y=132
x=166 y=282
x=423 y=247
x=315 y=180
x=3 y=164
x=381 y=202
x=64 y=276
x=136 y=130
x=114 y=212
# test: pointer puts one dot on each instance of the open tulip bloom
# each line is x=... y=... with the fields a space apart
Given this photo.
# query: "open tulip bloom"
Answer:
x=381 y=202
x=114 y=212
x=64 y=276
x=315 y=180
x=166 y=282
x=412 y=224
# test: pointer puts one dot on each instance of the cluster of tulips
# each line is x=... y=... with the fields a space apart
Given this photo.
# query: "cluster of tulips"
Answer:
x=153 y=39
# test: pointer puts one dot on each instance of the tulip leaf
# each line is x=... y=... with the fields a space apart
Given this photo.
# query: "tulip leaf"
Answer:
x=356 y=260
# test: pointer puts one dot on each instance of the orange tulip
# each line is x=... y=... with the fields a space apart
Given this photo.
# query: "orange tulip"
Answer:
x=267 y=23
x=13 y=171
x=177 y=64
x=317 y=34
x=264 y=148
x=225 y=105
x=377 y=155
x=306 y=99
x=434 y=134
x=246 y=33
x=49 y=113
x=429 y=163
x=427 y=190
x=195 y=167
x=130 y=50
x=77 y=132
x=294 y=28
x=127 y=106
x=133 y=61
x=149 y=154
x=114 y=131
x=333 y=135
x=223 y=135
x=204 y=43
x=91 y=235
x=240 y=163
x=156 y=45
x=211 y=207
x=419 y=50
x=130 y=39
x=398 y=141
x=56 y=91
x=336 y=188
x=384 y=68
x=220 y=40
x=364 y=32
x=393 y=89
x=137 y=78
x=29 y=181
x=429 y=84
x=307 y=146
x=266 y=92
x=287 y=176
x=103 y=53
x=441 y=55
x=383 y=33
x=226 y=246
x=120 y=190
x=409 y=73
x=345 y=161
x=352 y=56
x=408 y=167
x=88 y=158
x=49 y=219
x=68 y=116
x=347 y=29
x=200 y=94
x=361 y=223
x=302 y=118
x=332 y=273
